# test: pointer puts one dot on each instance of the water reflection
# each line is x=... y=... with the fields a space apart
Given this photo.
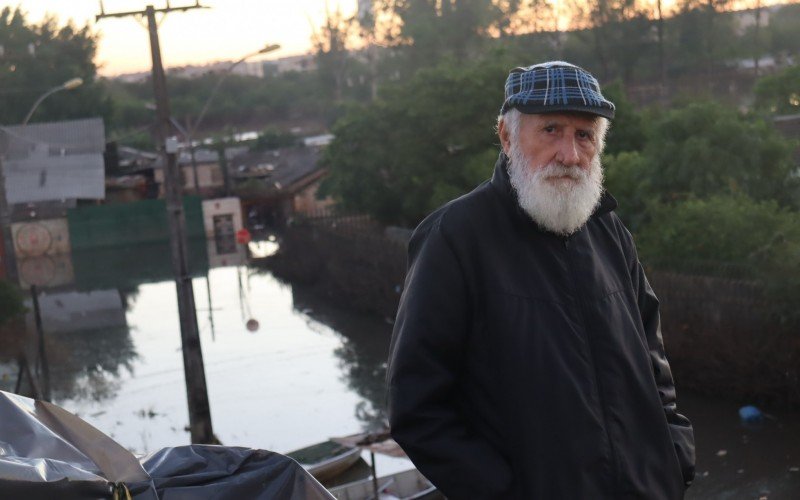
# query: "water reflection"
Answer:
x=307 y=372
x=362 y=355
x=283 y=370
x=87 y=342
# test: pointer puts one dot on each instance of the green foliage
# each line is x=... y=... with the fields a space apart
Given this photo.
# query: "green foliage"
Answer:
x=626 y=179
x=240 y=99
x=706 y=148
x=722 y=228
x=783 y=28
x=437 y=29
x=423 y=142
x=753 y=239
x=628 y=130
x=780 y=93
x=11 y=304
x=37 y=58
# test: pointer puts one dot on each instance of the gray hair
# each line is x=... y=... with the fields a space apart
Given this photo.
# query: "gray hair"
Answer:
x=513 y=117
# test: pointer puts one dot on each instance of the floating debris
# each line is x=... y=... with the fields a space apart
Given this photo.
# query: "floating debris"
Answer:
x=794 y=469
x=740 y=471
x=722 y=453
x=750 y=415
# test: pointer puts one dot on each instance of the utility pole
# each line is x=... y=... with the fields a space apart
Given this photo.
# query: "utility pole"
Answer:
x=194 y=370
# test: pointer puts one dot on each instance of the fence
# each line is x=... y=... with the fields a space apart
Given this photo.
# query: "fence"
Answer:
x=348 y=259
x=719 y=332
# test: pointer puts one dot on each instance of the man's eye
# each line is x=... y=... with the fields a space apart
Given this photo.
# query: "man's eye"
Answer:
x=550 y=129
x=584 y=134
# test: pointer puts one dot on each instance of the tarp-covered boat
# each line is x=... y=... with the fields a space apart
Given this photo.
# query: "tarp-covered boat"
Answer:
x=327 y=459
x=47 y=452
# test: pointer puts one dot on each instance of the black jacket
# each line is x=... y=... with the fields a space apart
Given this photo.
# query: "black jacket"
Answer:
x=525 y=365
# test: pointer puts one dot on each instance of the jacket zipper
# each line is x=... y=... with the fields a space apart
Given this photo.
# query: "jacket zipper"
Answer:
x=616 y=470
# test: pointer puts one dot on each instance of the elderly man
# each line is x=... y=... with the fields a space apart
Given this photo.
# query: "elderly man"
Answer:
x=527 y=360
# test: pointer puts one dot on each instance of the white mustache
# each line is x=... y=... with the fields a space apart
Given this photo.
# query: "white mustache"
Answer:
x=560 y=170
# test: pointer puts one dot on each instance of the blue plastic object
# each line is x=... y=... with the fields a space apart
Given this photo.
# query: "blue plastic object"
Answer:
x=750 y=415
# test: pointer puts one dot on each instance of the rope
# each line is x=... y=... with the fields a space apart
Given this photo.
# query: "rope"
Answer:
x=120 y=491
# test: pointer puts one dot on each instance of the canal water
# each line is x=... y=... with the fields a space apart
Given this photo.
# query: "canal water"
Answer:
x=285 y=370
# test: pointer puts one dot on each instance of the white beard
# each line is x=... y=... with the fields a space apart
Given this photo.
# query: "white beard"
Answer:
x=558 y=205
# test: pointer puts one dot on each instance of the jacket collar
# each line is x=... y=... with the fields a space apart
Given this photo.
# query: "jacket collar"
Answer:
x=502 y=184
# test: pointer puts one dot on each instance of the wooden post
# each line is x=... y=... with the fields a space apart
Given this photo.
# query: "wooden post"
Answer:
x=194 y=370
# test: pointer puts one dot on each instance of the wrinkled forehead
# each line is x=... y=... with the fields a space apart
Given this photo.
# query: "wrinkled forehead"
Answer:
x=576 y=118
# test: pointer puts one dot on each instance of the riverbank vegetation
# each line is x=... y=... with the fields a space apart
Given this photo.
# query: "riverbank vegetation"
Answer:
x=705 y=181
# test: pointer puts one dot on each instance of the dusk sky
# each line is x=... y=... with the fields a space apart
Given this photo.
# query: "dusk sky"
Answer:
x=228 y=30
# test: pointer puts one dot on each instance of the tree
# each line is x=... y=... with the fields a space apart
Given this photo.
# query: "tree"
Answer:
x=36 y=58
x=611 y=27
x=784 y=25
x=779 y=93
x=422 y=142
x=729 y=234
x=705 y=148
x=434 y=29
x=704 y=36
x=330 y=45
x=11 y=304
x=628 y=132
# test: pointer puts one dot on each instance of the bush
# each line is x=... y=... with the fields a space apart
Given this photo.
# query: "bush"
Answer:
x=728 y=235
x=706 y=149
x=11 y=304
x=425 y=140
x=626 y=180
x=779 y=93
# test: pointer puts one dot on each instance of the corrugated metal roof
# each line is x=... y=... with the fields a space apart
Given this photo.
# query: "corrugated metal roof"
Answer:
x=54 y=161
x=281 y=168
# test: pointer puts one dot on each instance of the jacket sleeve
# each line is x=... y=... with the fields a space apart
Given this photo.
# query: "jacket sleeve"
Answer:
x=679 y=426
x=425 y=364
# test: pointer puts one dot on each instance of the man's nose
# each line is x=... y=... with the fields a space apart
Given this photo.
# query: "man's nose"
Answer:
x=568 y=152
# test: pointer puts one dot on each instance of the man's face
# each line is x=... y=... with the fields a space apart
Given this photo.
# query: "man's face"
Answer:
x=569 y=139
x=554 y=167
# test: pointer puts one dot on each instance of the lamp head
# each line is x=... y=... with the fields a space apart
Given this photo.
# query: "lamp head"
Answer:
x=73 y=83
x=270 y=48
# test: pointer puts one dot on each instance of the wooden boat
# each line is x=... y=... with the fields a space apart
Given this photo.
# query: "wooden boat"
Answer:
x=406 y=485
x=327 y=459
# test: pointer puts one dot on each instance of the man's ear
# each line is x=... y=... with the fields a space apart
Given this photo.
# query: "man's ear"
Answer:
x=503 y=133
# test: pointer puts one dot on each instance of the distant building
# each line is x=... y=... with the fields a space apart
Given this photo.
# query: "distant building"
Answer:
x=258 y=68
x=210 y=177
x=251 y=68
x=299 y=64
x=318 y=140
x=276 y=185
x=140 y=174
x=748 y=18
x=49 y=166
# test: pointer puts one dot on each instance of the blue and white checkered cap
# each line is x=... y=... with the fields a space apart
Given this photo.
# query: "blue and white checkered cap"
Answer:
x=555 y=86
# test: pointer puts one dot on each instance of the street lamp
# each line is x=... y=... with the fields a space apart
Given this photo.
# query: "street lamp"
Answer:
x=68 y=85
x=9 y=257
x=269 y=48
x=266 y=49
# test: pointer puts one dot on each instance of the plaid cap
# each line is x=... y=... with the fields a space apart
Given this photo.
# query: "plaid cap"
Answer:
x=555 y=86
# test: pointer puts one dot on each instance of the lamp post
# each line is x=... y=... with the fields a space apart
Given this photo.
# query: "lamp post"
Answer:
x=68 y=85
x=194 y=126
